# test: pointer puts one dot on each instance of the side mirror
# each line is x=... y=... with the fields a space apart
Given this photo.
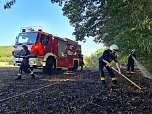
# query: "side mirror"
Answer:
x=16 y=39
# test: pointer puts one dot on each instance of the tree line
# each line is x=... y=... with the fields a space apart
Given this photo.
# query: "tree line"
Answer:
x=127 y=23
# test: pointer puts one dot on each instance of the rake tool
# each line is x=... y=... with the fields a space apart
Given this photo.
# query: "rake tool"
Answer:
x=126 y=78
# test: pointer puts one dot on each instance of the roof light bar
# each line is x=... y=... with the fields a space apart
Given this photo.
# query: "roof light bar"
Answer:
x=31 y=28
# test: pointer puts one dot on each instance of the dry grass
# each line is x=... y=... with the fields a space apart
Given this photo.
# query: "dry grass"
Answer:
x=6 y=64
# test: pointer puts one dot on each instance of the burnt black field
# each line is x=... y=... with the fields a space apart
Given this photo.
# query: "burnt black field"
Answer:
x=73 y=93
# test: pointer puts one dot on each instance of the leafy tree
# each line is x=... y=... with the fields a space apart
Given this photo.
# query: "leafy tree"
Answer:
x=60 y=2
x=9 y=4
x=93 y=59
x=127 y=23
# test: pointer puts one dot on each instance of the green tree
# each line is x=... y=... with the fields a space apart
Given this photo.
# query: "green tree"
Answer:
x=127 y=23
x=124 y=22
x=93 y=59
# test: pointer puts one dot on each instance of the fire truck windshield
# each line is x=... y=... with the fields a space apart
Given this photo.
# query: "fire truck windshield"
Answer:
x=26 y=38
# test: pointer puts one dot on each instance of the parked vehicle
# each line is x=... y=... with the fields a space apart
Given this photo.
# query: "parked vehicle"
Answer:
x=48 y=52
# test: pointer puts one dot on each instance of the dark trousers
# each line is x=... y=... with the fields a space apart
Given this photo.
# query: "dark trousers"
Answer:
x=81 y=64
x=102 y=75
x=130 y=66
x=25 y=67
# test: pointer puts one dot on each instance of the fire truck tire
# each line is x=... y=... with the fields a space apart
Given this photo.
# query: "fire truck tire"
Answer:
x=50 y=66
x=70 y=69
x=75 y=65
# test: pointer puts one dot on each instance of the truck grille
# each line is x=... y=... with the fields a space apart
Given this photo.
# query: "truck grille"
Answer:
x=17 y=53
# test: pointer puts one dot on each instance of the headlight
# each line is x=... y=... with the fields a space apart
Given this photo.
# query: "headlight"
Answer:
x=32 y=62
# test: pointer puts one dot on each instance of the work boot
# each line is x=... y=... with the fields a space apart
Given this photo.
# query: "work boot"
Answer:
x=18 y=78
x=103 y=84
x=132 y=72
x=114 y=84
x=33 y=76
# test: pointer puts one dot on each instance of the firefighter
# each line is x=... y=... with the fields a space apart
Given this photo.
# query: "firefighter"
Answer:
x=25 y=53
x=130 y=65
x=104 y=62
x=81 y=62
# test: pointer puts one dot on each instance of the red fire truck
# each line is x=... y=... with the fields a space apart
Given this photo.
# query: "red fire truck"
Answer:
x=47 y=51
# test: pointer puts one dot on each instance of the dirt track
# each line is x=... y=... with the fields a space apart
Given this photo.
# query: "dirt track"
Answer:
x=72 y=93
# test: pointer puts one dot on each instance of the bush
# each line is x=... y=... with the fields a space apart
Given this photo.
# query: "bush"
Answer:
x=6 y=53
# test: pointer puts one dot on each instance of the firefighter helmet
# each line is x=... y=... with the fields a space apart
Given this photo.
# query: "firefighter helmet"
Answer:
x=24 y=46
x=114 y=47
x=134 y=50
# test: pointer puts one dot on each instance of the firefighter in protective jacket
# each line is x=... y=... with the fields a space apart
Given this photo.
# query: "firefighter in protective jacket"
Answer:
x=81 y=62
x=25 y=53
x=104 y=61
x=130 y=65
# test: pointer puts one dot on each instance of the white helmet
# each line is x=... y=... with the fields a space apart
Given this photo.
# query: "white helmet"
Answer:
x=114 y=47
x=134 y=50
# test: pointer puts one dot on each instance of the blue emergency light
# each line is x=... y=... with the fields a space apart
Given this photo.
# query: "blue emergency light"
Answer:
x=23 y=30
x=31 y=29
x=39 y=29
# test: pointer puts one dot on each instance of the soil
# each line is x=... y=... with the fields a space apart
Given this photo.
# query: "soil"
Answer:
x=73 y=93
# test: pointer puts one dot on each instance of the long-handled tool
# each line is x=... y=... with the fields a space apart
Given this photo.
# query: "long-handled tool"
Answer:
x=126 y=78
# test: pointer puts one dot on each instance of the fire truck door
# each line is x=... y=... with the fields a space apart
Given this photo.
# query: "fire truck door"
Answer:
x=45 y=41
x=62 y=60
x=70 y=52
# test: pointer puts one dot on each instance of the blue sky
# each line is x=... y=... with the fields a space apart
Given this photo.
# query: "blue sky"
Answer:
x=38 y=12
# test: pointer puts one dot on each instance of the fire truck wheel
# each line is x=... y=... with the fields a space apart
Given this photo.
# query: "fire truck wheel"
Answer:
x=75 y=65
x=50 y=66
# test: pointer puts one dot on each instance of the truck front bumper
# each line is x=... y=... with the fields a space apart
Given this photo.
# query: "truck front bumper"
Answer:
x=33 y=62
x=17 y=61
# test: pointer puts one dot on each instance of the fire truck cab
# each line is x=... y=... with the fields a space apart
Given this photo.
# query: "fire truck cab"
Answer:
x=47 y=51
